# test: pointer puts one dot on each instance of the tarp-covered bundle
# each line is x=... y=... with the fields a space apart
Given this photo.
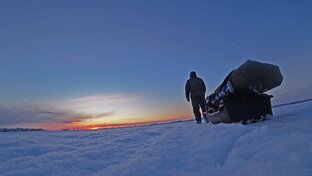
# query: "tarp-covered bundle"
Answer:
x=256 y=76
x=245 y=85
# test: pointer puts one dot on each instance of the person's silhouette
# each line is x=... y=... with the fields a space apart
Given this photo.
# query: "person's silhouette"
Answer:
x=196 y=89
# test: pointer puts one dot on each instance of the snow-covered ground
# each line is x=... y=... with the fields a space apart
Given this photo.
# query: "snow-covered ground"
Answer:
x=279 y=146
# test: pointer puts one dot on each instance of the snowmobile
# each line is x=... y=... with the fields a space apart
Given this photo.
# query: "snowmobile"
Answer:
x=241 y=97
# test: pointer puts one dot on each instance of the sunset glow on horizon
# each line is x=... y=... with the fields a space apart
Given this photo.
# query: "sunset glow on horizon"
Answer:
x=85 y=125
x=100 y=111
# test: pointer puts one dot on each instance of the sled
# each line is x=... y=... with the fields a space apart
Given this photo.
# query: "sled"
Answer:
x=243 y=109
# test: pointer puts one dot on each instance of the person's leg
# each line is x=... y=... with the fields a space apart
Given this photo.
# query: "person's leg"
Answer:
x=195 y=104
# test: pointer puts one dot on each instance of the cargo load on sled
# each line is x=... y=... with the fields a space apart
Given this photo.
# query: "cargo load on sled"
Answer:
x=241 y=95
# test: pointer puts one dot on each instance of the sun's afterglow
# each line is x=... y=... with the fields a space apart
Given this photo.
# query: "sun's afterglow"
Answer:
x=95 y=128
x=112 y=111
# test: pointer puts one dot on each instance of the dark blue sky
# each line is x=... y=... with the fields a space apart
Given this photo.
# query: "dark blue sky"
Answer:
x=58 y=50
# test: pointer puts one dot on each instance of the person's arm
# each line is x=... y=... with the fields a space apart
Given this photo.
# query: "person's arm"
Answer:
x=187 y=90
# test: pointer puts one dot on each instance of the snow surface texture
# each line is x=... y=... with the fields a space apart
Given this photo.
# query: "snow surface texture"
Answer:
x=279 y=146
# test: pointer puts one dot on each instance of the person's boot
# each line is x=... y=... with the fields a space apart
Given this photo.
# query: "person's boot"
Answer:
x=198 y=121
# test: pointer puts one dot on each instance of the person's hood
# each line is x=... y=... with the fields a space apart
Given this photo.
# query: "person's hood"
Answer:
x=193 y=75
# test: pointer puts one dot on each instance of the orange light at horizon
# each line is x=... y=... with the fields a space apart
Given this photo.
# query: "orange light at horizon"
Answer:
x=101 y=111
x=95 y=124
x=95 y=128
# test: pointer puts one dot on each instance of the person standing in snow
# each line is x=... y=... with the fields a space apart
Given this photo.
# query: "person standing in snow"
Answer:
x=196 y=88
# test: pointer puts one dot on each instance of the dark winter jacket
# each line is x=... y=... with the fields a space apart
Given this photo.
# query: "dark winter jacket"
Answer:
x=194 y=86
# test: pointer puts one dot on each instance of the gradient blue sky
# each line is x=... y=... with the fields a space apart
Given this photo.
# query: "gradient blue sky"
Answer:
x=52 y=52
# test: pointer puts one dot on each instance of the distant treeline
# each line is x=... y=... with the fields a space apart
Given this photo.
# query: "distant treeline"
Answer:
x=19 y=129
